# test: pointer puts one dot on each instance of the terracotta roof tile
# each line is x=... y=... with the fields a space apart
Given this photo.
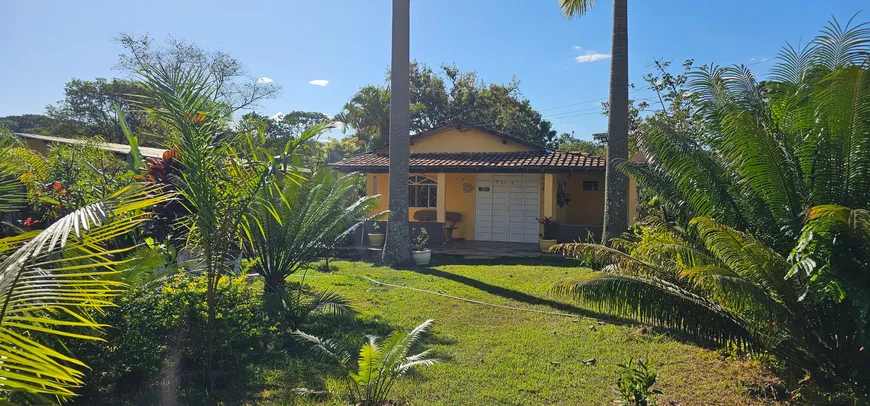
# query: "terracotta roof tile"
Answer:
x=531 y=161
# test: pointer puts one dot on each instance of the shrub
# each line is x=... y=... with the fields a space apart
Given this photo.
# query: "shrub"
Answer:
x=158 y=334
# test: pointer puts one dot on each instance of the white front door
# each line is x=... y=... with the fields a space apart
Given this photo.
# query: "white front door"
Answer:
x=507 y=207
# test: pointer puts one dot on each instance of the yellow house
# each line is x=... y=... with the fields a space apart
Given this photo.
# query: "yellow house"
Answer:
x=499 y=185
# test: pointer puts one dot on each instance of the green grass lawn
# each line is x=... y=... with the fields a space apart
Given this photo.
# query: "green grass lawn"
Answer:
x=498 y=356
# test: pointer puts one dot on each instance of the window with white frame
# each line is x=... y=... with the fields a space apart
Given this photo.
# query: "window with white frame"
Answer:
x=422 y=192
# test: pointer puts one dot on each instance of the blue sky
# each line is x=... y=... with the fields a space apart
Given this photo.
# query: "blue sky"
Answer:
x=44 y=44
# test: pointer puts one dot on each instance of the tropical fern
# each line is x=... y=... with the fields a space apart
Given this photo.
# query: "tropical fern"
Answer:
x=49 y=287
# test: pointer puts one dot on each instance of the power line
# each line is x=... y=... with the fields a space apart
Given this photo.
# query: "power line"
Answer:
x=592 y=101
x=589 y=114
x=555 y=115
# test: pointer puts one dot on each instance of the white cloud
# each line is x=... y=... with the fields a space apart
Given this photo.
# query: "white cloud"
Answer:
x=765 y=59
x=577 y=47
x=752 y=59
x=319 y=82
x=277 y=116
x=591 y=56
x=264 y=79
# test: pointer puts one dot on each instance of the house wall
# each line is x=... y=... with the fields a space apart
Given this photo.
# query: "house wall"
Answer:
x=462 y=202
x=585 y=208
x=457 y=200
x=468 y=140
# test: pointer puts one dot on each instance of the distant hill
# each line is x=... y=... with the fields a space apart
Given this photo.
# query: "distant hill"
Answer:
x=29 y=123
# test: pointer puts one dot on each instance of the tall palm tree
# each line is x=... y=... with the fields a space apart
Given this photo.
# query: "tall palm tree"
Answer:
x=368 y=113
x=616 y=183
x=397 y=249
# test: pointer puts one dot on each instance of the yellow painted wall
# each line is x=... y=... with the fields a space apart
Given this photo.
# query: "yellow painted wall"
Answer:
x=383 y=181
x=586 y=208
x=384 y=191
x=471 y=140
x=461 y=202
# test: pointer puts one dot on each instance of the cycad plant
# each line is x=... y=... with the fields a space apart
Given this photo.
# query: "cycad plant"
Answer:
x=379 y=364
x=762 y=242
x=302 y=221
x=51 y=282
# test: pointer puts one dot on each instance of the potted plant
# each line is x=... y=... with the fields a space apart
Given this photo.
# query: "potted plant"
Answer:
x=547 y=239
x=376 y=238
x=421 y=254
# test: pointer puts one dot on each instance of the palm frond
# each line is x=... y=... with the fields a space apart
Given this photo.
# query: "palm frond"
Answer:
x=621 y=262
x=51 y=283
x=330 y=302
x=838 y=46
x=575 y=8
x=657 y=303
x=744 y=255
x=326 y=347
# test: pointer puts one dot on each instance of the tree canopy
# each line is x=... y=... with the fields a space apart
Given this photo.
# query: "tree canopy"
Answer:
x=441 y=95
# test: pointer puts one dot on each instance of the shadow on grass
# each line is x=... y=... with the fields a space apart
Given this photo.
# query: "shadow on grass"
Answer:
x=512 y=294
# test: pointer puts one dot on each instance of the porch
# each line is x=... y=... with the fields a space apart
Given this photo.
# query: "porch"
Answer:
x=490 y=249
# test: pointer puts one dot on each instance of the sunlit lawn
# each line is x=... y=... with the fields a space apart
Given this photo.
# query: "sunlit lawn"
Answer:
x=501 y=356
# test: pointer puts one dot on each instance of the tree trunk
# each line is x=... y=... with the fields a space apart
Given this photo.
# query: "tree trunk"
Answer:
x=397 y=249
x=616 y=183
x=211 y=286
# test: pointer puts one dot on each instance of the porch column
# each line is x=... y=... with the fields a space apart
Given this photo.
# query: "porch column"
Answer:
x=441 y=198
x=549 y=195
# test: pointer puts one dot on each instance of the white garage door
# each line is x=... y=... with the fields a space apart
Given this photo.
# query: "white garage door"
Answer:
x=507 y=207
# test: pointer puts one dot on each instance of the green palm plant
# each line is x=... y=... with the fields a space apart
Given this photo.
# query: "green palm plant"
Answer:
x=50 y=285
x=368 y=113
x=379 y=364
x=303 y=221
x=223 y=171
x=764 y=241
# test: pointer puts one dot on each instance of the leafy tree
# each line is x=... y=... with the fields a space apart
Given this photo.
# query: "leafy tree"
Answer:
x=334 y=149
x=616 y=183
x=440 y=96
x=567 y=142
x=88 y=109
x=233 y=84
x=278 y=131
x=765 y=243
x=501 y=107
